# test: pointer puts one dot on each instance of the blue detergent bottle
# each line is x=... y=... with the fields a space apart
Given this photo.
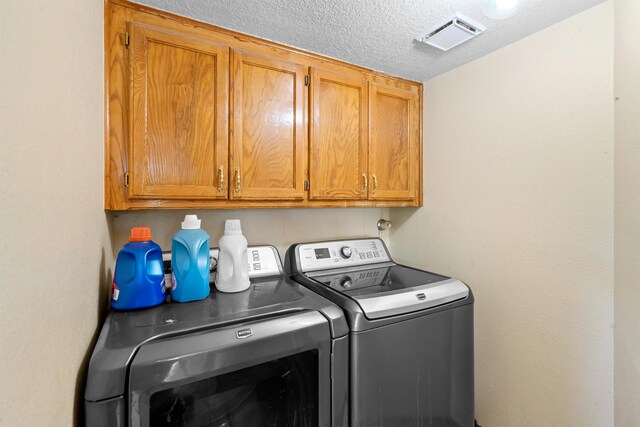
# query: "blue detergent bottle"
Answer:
x=138 y=281
x=190 y=262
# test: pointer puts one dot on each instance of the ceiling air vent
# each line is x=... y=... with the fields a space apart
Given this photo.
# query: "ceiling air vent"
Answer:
x=451 y=32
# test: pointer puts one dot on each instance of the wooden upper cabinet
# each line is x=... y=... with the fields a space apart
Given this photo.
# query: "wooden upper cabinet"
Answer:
x=338 y=144
x=394 y=151
x=267 y=153
x=200 y=117
x=178 y=115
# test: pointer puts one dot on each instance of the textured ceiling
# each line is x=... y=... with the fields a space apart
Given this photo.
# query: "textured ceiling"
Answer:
x=377 y=34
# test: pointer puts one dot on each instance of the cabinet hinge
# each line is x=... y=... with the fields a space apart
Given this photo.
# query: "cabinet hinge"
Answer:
x=126 y=180
x=306 y=185
x=126 y=39
x=307 y=80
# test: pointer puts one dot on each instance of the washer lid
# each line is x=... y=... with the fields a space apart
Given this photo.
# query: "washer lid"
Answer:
x=393 y=289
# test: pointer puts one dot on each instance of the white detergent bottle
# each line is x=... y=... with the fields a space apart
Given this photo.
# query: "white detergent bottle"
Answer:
x=233 y=264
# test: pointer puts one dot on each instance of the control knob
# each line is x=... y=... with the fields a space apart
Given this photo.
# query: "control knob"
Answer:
x=346 y=252
x=346 y=282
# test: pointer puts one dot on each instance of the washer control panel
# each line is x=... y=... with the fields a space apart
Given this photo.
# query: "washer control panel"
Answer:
x=339 y=254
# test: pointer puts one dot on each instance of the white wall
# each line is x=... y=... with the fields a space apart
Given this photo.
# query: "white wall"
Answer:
x=627 y=213
x=278 y=227
x=519 y=204
x=54 y=238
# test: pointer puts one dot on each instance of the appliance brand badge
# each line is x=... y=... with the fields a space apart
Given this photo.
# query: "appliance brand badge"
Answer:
x=243 y=333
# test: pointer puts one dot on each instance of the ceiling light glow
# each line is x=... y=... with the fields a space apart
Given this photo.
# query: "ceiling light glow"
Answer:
x=506 y=5
x=500 y=9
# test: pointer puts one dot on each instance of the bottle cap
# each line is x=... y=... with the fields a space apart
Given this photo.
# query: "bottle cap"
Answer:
x=140 y=234
x=191 y=222
x=232 y=226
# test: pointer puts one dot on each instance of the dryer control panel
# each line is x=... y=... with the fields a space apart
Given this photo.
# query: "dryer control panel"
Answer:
x=341 y=253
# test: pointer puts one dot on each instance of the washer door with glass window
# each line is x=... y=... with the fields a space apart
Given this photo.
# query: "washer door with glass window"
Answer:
x=273 y=372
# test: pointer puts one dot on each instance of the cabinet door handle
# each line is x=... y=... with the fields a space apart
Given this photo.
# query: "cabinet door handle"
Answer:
x=220 y=178
x=237 y=189
x=366 y=183
x=375 y=184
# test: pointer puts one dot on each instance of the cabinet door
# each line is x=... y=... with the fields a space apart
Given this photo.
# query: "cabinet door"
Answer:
x=394 y=150
x=267 y=128
x=178 y=130
x=339 y=126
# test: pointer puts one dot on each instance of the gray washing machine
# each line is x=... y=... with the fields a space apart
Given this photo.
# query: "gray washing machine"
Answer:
x=411 y=339
x=273 y=355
